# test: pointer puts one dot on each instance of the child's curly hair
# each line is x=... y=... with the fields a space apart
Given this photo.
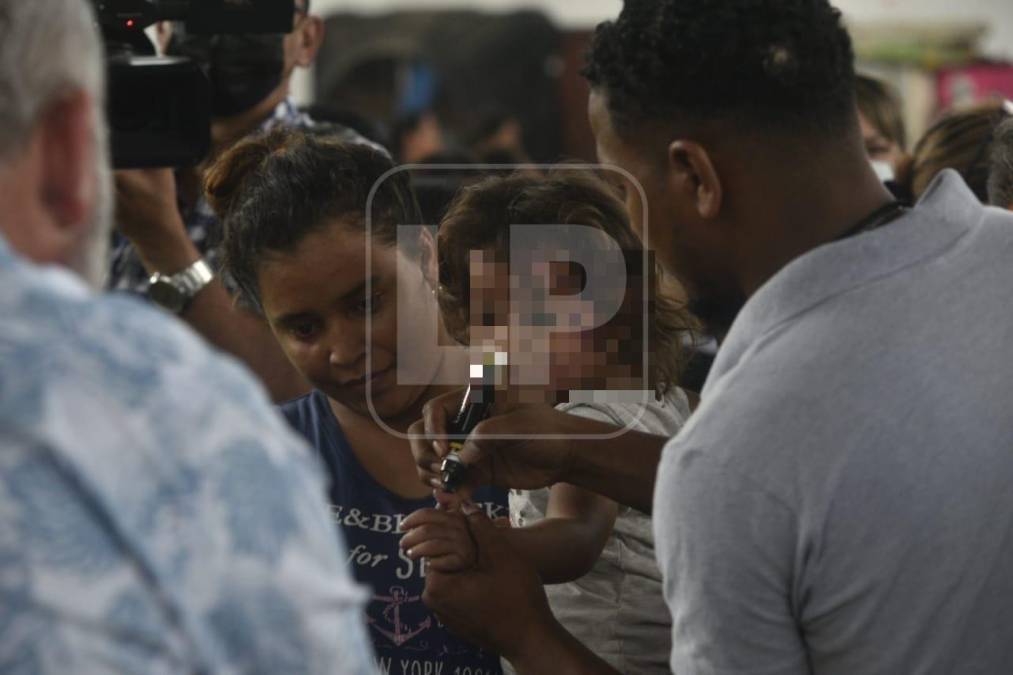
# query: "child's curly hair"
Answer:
x=480 y=219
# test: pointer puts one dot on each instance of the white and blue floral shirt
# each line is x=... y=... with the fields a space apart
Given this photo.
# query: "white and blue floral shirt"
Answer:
x=156 y=514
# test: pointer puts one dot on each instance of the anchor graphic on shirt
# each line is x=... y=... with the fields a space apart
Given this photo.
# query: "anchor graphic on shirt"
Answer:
x=402 y=632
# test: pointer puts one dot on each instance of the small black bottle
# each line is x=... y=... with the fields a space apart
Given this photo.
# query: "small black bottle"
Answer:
x=477 y=406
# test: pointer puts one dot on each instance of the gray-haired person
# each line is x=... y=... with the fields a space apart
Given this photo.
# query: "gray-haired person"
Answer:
x=156 y=515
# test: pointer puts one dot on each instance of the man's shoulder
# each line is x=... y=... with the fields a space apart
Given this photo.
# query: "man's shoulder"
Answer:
x=71 y=358
x=761 y=419
x=105 y=388
x=117 y=335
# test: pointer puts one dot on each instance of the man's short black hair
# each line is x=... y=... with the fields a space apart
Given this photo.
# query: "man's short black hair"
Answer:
x=765 y=65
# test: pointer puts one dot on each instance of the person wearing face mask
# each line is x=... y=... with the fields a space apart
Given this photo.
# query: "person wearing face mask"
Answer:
x=168 y=252
x=884 y=133
x=882 y=119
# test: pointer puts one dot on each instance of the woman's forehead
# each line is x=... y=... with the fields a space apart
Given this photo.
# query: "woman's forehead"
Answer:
x=332 y=263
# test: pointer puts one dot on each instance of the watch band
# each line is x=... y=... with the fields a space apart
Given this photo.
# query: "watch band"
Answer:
x=177 y=291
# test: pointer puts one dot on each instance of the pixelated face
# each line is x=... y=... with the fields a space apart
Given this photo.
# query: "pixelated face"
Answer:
x=315 y=299
x=556 y=337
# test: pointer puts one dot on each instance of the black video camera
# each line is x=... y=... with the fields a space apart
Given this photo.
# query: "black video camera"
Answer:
x=159 y=108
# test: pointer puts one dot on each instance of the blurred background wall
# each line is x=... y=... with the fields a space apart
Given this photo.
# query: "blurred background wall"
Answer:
x=501 y=77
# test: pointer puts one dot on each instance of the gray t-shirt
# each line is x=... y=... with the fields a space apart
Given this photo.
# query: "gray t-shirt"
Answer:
x=842 y=501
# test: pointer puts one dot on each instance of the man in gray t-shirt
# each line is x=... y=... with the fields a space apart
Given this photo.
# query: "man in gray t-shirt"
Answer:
x=839 y=503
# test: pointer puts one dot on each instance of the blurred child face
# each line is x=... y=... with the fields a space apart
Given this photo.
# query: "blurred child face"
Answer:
x=556 y=341
x=317 y=301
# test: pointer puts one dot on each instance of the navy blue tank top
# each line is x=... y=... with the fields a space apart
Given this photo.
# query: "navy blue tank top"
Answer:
x=406 y=635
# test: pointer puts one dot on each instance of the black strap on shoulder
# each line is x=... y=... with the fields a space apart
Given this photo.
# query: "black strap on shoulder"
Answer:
x=882 y=216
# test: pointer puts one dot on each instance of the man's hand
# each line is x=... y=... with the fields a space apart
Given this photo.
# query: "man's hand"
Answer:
x=601 y=458
x=521 y=464
x=148 y=215
x=442 y=538
x=474 y=602
x=499 y=604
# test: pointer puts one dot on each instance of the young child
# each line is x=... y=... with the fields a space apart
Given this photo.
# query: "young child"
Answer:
x=597 y=559
x=293 y=205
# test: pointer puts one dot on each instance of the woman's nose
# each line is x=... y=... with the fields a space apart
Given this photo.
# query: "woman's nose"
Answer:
x=346 y=345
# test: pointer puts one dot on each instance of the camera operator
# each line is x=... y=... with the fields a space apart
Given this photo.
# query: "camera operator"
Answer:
x=169 y=228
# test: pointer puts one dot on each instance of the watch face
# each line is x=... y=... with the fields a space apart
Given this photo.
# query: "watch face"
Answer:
x=166 y=295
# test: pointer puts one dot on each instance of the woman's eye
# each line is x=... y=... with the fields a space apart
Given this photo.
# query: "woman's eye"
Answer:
x=304 y=330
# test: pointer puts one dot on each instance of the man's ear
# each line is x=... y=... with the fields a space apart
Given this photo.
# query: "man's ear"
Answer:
x=309 y=36
x=695 y=177
x=67 y=157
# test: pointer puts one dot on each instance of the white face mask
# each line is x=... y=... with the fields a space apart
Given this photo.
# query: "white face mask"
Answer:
x=884 y=170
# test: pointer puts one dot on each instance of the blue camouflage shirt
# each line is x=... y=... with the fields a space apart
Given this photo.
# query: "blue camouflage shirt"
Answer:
x=156 y=514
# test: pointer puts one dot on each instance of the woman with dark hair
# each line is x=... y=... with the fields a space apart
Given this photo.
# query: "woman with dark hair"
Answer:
x=337 y=290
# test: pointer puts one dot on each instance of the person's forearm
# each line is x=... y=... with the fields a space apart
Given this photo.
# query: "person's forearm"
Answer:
x=556 y=651
x=622 y=469
x=247 y=337
x=214 y=315
x=560 y=549
x=166 y=251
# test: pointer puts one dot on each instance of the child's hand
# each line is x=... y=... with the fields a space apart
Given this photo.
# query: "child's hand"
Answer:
x=448 y=501
x=442 y=537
